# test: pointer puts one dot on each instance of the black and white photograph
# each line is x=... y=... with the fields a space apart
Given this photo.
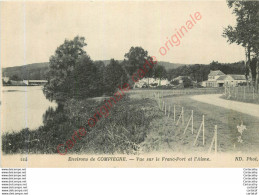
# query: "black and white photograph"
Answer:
x=130 y=84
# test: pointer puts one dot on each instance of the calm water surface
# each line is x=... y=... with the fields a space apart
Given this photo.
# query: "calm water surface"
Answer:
x=22 y=107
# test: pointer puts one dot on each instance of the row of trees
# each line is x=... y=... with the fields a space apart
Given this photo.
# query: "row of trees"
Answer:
x=73 y=74
x=246 y=34
x=199 y=72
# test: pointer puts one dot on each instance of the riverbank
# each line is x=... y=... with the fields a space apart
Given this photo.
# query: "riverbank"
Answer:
x=121 y=132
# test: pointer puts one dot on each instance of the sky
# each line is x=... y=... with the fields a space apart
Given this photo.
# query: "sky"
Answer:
x=31 y=31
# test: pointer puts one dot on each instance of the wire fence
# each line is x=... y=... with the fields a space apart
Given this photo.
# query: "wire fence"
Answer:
x=179 y=121
x=242 y=93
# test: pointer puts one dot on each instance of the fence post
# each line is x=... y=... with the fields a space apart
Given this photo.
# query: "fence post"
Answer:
x=158 y=99
x=203 y=130
x=161 y=103
x=163 y=94
x=237 y=91
x=174 y=113
x=165 y=109
x=163 y=106
x=216 y=138
x=169 y=111
x=244 y=92
x=192 y=121
x=182 y=116
x=198 y=133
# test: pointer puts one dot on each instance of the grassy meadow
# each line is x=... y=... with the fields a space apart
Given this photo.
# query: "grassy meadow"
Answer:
x=166 y=136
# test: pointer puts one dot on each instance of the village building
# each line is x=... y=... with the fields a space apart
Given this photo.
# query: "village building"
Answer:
x=218 y=79
x=151 y=82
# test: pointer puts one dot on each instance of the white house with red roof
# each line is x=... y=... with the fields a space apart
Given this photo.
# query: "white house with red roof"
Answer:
x=217 y=78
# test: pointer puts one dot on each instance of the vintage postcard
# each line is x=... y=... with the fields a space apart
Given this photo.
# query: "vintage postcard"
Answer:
x=129 y=84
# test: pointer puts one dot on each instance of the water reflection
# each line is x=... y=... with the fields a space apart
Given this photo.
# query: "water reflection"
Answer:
x=23 y=107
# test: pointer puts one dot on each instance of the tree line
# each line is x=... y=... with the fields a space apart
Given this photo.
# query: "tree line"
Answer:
x=199 y=72
x=73 y=74
x=246 y=34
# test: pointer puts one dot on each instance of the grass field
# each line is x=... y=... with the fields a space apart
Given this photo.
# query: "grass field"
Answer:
x=165 y=136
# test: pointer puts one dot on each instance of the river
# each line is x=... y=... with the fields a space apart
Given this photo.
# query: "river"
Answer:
x=23 y=106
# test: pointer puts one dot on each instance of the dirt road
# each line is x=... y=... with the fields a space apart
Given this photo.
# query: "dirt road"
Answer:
x=214 y=99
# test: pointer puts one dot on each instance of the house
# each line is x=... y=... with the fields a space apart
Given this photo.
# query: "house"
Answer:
x=151 y=82
x=219 y=79
x=213 y=79
x=234 y=80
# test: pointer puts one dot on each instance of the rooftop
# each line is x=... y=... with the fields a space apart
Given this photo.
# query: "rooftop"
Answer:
x=216 y=73
x=238 y=76
x=222 y=77
x=233 y=76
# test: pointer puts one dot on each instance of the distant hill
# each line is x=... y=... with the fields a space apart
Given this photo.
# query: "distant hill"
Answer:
x=169 y=65
x=37 y=71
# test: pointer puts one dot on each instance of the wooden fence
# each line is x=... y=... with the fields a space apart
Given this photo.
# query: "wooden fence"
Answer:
x=180 y=92
x=181 y=121
x=242 y=93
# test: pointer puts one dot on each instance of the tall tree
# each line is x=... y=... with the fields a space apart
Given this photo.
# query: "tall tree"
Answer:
x=115 y=76
x=160 y=72
x=62 y=63
x=135 y=59
x=85 y=80
x=255 y=49
x=100 y=76
x=246 y=32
